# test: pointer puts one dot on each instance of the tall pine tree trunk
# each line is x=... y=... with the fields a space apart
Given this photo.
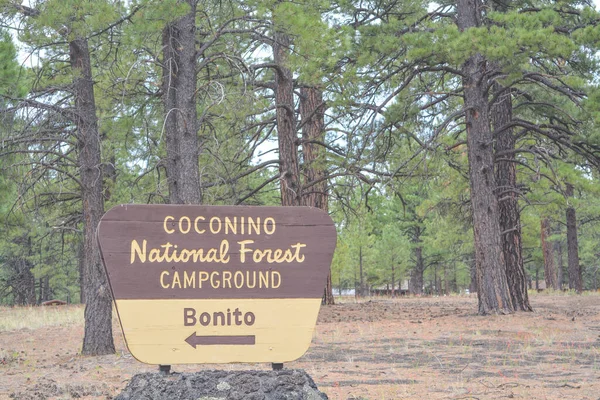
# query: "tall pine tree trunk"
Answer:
x=21 y=277
x=508 y=199
x=80 y=262
x=22 y=281
x=575 y=278
x=558 y=248
x=47 y=292
x=445 y=276
x=493 y=292
x=98 y=337
x=416 y=274
x=314 y=188
x=181 y=118
x=312 y=110
x=473 y=272
x=361 y=289
x=549 y=269
x=393 y=282
x=289 y=179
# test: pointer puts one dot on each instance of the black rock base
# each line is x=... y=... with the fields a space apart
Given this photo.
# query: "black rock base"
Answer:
x=288 y=384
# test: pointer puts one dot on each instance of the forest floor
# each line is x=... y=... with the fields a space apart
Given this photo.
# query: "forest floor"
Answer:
x=408 y=348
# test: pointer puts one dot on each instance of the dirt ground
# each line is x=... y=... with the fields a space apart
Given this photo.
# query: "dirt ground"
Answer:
x=409 y=348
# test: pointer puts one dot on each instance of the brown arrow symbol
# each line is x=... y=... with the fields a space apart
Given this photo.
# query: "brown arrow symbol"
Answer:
x=195 y=340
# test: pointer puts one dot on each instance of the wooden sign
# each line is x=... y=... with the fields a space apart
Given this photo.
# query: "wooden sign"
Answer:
x=216 y=284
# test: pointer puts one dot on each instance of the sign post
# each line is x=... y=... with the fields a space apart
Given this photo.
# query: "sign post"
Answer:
x=216 y=284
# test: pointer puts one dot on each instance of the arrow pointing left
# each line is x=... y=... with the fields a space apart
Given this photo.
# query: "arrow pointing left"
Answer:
x=195 y=340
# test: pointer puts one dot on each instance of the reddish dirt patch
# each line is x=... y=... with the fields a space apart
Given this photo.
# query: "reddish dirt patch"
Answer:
x=411 y=348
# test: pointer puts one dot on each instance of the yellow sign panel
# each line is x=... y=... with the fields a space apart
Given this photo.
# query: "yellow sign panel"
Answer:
x=218 y=331
x=202 y=284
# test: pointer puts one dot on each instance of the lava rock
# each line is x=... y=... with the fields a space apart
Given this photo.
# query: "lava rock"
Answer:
x=287 y=384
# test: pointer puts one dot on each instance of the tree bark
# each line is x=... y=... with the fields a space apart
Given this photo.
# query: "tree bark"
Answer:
x=360 y=263
x=20 y=277
x=80 y=262
x=416 y=274
x=508 y=200
x=473 y=272
x=47 y=290
x=312 y=110
x=98 y=337
x=356 y=291
x=575 y=275
x=446 y=280
x=493 y=292
x=393 y=282
x=549 y=269
x=314 y=187
x=558 y=248
x=435 y=289
x=22 y=281
x=286 y=122
x=181 y=118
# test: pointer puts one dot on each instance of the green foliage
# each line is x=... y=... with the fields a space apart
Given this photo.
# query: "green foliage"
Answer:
x=390 y=72
x=10 y=84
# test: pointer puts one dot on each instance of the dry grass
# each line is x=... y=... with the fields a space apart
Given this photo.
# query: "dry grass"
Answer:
x=554 y=293
x=32 y=318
